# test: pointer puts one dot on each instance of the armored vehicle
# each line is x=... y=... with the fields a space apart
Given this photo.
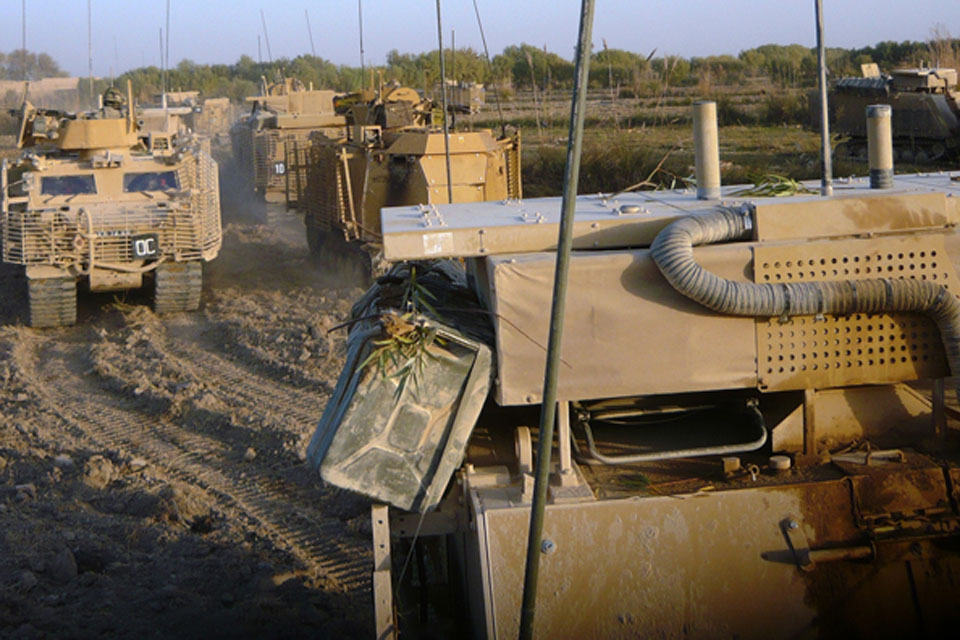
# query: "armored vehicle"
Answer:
x=210 y=117
x=283 y=113
x=93 y=197
x=926 y=114
x=393 y=155
x=743 y=447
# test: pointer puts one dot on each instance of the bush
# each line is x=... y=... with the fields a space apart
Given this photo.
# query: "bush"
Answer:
x=786 y=108
x=730 y=113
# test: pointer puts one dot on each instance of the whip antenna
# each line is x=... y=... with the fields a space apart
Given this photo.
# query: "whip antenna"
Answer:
x=486 y=53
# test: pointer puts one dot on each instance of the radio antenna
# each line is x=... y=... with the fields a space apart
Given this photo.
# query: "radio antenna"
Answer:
x=443 y=89
x=266 y=36
x=310 y=33
x=90 y=50
x=360 y=16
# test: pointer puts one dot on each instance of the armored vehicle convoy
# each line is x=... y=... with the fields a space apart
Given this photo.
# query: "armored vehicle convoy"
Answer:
x=94 y=198
x=926 y=114
x=739 y=418
x=393 y=155
x=283 y=113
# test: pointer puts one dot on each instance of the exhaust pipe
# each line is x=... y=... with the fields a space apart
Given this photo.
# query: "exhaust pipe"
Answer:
x=880 y=145
x=707 y=149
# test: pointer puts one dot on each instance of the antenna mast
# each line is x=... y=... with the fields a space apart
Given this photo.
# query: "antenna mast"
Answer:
x=165 y=54
x=163 y=71
x=360 y=14
x=266 y=36
x=826 y=163
x=90 y=49
x=443 y=89
x=310 y=33
x=23 y=39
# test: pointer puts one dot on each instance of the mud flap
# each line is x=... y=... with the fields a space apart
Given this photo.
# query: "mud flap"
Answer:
x=400 y=443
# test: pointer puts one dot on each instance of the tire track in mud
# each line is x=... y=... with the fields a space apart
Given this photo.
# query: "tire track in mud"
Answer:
x=57 y=372
x=237 y=383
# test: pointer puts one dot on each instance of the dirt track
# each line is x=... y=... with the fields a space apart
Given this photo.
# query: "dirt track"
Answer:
x=152 y=481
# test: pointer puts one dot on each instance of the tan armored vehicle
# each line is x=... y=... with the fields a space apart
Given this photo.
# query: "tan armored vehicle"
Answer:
x=743 y=447
x=93 y=197
x=392 y=156
x=210 y=117
x=462 y=97
x=284 y=113
x=926 y=114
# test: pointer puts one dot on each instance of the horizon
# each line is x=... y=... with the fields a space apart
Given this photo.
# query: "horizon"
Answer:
x=619 y=23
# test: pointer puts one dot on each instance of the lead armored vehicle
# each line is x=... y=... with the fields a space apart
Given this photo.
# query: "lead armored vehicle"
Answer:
x=753 y=434
x=926 y=114
x=95 y=198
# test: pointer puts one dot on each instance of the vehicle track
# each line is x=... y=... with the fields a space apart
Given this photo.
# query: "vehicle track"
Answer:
x=239 y=384
x=57 y=370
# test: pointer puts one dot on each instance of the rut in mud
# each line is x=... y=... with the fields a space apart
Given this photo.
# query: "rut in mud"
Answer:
x=152 y=476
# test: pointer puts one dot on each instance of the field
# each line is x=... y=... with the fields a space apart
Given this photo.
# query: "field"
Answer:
x=152 y=481
x=632 y=140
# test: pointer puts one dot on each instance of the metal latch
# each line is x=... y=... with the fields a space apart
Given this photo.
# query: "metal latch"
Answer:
x=797 y=540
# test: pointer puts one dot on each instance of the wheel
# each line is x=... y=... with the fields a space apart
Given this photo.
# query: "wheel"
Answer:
x=52 y=301
x=523 y=448
x=177 y=287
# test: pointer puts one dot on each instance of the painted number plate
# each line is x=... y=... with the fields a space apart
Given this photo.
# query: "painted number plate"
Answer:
x=145 y=246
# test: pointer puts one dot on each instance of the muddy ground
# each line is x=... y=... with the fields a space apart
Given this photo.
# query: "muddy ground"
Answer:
x=152 y=476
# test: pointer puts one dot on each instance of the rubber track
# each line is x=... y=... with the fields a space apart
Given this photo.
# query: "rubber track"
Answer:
x=178 y=287
x=53 y=301
x=281 y=508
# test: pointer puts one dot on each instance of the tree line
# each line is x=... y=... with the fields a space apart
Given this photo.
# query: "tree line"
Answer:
x=523 y=67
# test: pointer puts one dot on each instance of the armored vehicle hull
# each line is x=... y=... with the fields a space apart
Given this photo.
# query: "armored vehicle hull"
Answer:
x=110 y=204
x=391 y=156
x=926 y=114
x=283 y=117
x=779 y=455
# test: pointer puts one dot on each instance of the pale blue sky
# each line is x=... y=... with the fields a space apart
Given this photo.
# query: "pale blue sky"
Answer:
x=219 y=31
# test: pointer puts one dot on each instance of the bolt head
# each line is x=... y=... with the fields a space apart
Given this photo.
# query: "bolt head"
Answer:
x=548 y=546
x=793 y=524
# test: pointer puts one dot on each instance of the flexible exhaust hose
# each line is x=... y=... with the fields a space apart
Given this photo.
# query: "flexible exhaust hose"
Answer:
x=672 y=251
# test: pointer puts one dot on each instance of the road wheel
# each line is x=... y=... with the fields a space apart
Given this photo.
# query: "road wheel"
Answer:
x=177 y=287
x=53 y=301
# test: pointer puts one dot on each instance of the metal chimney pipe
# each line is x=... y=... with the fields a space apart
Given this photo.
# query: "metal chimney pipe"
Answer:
x=880 y=145
x=707 y=149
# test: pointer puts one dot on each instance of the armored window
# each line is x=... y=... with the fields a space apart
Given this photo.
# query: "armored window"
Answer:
x=152 y=181
x=68 y=185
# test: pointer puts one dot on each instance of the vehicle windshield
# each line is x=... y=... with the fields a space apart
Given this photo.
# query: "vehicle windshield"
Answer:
x=68 y=185
x=151 y=181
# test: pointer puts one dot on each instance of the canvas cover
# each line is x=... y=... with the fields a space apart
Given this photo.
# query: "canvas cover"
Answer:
x=627 y=331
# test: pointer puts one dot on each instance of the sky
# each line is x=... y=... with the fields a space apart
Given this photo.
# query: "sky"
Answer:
x=126 y=33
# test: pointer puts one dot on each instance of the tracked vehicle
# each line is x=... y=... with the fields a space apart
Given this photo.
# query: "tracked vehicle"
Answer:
x=926 y=112
x=394 y=155
x=94 y=198
x=753 y=434
x=284 y=113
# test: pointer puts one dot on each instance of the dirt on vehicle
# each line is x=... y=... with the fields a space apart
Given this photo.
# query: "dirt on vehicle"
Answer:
x=152 y=476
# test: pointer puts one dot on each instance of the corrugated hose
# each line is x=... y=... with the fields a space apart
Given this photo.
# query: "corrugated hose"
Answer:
x=672 y=251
